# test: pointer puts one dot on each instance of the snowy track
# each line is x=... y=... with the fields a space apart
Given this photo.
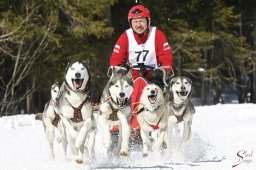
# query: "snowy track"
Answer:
x=218 y=134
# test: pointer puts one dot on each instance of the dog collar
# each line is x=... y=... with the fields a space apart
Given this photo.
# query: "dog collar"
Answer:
x=179 y=108
x=143 y=108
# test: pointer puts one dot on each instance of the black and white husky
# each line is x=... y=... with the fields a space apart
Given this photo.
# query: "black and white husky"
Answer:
x=115 y=109
x=51 y=120
x=152 y=118
x=180 y=108
x=75 y=109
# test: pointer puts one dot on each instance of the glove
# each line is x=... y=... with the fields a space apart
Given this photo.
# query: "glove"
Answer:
x=160 y=77
x=115 y=69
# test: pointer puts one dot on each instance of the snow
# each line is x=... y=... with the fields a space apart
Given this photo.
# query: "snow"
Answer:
x=222 y=136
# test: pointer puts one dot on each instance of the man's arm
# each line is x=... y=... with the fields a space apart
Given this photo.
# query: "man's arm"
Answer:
x=163 y=50
x=120 y=51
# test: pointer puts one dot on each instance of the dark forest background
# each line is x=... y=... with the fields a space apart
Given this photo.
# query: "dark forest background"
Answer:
x=213 y=42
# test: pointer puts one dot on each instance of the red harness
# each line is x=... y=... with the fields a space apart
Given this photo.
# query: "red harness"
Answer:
x=155 y=127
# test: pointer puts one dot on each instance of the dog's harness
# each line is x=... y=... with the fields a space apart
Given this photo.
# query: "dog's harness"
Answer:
x=113 y=116
x=56 y=119
x=77 y=112
x=155 y=127
x=176 y=108
x=142 y=109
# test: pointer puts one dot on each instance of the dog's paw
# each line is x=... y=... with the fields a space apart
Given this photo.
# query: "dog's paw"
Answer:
x=145 y=154
x=79 y=161
x=123 y=153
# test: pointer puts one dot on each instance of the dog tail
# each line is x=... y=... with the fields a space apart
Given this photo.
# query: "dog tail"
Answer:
x=39 y=116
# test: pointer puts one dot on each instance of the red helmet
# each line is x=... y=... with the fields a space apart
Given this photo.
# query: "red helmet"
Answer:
x=137 y=12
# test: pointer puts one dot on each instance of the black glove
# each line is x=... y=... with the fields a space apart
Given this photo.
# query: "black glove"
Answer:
x=158 y=77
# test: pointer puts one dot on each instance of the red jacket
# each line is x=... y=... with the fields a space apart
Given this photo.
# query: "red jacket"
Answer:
x=163 y=52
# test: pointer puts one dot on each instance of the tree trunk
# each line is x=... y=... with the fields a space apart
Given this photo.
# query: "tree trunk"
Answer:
x=30 y=103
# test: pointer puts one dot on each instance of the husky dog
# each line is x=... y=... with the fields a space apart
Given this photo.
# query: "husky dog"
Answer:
x=51 y=120
x=75 y=109
x=180 y=107
x=115 y=109
x=152 y=117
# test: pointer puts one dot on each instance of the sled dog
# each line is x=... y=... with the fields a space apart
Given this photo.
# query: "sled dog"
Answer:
x=75 y=109
x=115 y=109
x=152 y=117
x=51 y=120
x=180 y=108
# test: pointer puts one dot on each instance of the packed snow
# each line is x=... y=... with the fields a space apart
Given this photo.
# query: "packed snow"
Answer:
x=223 y=136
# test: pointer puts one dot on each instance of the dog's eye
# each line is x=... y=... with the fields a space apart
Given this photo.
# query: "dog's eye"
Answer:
x=177 y=82
x=126 y=86
x=82 y=68
x=186 y=82
x=72 y=68
x=55 y=91
x=116 y=85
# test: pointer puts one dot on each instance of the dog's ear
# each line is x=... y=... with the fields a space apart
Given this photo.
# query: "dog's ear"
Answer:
x=190 y=81
x=83 y=62
x=114 y=71
x=172 y=81
x=66 y=69
x=111 y=71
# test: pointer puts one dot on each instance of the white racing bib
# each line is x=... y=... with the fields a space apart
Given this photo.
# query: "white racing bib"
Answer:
x=143 y=53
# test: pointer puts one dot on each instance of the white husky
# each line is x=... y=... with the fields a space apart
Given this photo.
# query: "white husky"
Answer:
x=51 y=120
x=180 y=108
x=152 y=117
x=75 y=108
x=115 y=109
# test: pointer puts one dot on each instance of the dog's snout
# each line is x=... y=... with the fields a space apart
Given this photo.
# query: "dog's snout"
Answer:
x=121 y=94
x=152 y=91
x=78 y=75
x=183 y=88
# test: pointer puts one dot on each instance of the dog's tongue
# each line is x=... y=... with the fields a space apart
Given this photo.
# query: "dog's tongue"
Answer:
x=121 y=102
x=77 y=84
x=183 y=93
x=152 y=98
